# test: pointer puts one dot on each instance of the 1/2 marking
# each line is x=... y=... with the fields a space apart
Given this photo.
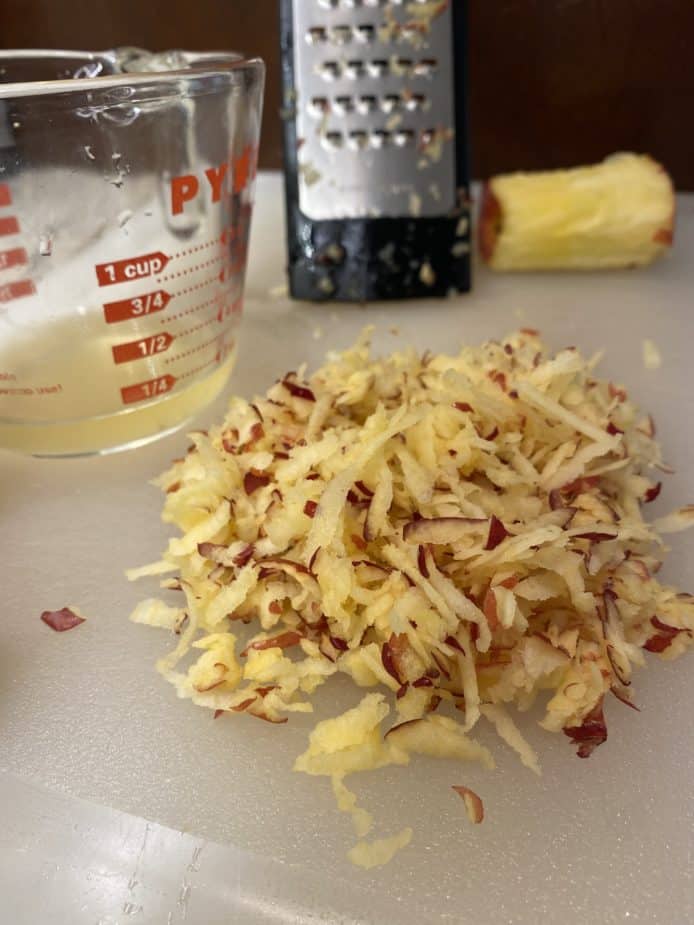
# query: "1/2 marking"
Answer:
x=141 y=305
x=145 y=347
x=125 y=271
x=18 y=290
x=146 y=390
x=9 y=225
x=17 y=257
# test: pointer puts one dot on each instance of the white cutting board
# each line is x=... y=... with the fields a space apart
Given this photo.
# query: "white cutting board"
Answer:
x=84 y=717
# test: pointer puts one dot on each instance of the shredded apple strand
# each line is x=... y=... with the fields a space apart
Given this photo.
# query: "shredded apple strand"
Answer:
x=457 y=532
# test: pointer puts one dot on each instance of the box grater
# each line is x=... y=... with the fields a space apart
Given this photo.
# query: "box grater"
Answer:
x=376 y=152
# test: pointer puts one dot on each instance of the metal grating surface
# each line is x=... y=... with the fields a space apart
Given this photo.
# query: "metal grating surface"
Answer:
x=374 y=108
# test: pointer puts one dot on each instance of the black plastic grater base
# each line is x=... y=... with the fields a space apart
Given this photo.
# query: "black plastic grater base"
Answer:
x=360 y=260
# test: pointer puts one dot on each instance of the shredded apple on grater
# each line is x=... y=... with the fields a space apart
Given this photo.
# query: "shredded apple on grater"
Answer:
x=460 y=535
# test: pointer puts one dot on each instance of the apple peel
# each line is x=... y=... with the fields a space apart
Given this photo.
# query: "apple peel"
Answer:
x=458 y=535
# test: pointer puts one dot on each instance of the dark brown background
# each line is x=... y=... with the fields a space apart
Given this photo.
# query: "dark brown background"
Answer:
x=554 y=82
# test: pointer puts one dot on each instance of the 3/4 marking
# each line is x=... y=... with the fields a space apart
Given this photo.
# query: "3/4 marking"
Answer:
x=18 y=290
x=17 y=257
x=125 y=271
x=9 y=225
x=143 y=391
x=145 y=347
x=141 y=305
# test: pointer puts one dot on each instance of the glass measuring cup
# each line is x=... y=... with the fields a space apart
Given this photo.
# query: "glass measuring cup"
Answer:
x=126 y=183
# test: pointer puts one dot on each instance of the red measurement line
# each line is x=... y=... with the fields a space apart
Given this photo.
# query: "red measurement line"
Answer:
x=198 y=266
x=189 y=353
x=198 y=327
x=190 y=311
x=196 y=287
x=198 y=369
x=196 y=248
x=200 y=285
x=5 y=195
x=9 y=225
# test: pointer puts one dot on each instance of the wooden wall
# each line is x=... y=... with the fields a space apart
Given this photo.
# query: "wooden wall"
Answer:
x=553 y=82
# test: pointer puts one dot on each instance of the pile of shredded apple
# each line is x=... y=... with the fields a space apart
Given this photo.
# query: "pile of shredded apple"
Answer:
x=459 y=534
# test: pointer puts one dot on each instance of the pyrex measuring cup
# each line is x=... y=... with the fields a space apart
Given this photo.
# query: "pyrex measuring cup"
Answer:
x=126 y=185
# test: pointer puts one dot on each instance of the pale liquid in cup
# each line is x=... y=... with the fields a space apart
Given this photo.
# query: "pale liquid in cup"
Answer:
x=72 y=389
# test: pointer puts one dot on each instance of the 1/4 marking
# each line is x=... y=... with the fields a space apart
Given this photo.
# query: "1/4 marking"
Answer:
x=9 y=225
x=146 y=390
x=141 y=305
x=145 y=347
x=18 y=290
x=17 y=257
x=125 y=271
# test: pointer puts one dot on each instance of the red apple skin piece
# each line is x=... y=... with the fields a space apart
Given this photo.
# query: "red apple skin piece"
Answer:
x=497 y=533
x=591 y=733
x=61 y=620
x=666 y=235
x=473 y=804
x=490 y=222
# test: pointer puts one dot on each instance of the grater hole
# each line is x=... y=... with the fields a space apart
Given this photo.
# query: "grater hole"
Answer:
x=354 y=69
x=410 y=31
x=332 y=141
x=343 y=105
x=390 y=103
x=415 y=102
x=425 y=67
x=379 y=138
x=318 y=106
x=357 y=141
x=403 y=137
x=364 y=33
x=315 y=35
x=366 y=104
x=329 y=70
x=401 y=66
x=377 y=68
x=341 y=35
x=328 y=4
x=428 y=137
